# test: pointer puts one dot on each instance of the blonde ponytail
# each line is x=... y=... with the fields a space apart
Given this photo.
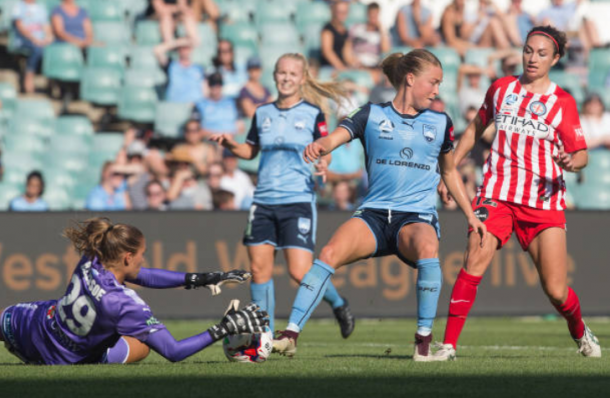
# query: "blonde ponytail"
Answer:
x=98 y=237
x=315 y=92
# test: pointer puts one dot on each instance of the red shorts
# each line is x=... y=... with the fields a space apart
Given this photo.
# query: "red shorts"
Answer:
x=501 y=218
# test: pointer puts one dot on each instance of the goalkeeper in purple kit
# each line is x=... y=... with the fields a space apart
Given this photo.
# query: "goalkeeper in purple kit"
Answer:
x=100 y=320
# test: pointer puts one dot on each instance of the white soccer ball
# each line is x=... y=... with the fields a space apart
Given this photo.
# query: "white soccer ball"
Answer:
x=253 y=348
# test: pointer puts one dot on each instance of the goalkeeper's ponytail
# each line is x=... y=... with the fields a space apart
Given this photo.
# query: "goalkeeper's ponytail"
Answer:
x=98 y=237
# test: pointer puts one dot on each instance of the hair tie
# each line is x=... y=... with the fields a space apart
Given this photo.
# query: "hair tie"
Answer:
x=109 y=228
x=538 y=32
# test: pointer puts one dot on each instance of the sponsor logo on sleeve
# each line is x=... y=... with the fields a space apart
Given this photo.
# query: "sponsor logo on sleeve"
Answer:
x=323 y=127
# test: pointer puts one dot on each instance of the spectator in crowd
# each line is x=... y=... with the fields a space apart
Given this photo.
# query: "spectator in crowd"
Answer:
x=595 y=122
x=438 y=105
x=335 y=43
x=234 y=74
x=111 y=194
x=33 y=33
x=171 y=13
x=31 y=200
x=369 y=40
x=202 y=153
x=215 y=174
x=224 y=200
x=347 y=164
x=463 y=31
x=71 y=24
x=236 y=181
x=206 y=11
x=518 y=23
x=253 y=93
x=343 y=197
x=413 y=26
x=470 y=90
x=383 y=91
x=156 y=196
x=186 y=81
x=136 y=172
x=218 y=114
x=564 y=16
x=185 y=191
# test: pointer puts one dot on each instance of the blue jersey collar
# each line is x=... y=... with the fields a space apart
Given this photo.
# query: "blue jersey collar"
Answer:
x=404 y=115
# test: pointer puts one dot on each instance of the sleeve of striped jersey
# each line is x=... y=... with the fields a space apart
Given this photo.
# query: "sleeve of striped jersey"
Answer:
x=252 y=137
x=449 y=137
x=486 y=112
x=356 y=121
x=321 y=128
x=570 y=130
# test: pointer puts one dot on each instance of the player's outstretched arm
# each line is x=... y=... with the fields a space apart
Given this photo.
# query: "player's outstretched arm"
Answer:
x=248 y=320
x=455 y=185
x=164 y=279
x=471 y=136
x=325 y=145
x=241 y=150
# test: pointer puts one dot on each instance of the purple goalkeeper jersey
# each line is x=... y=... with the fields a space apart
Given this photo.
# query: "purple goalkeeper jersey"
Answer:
x=79 y=327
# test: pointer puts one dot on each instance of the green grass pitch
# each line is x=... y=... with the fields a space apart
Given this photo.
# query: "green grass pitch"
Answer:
x=499 y=357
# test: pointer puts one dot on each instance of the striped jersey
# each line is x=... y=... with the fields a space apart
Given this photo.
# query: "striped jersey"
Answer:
x=530 y=128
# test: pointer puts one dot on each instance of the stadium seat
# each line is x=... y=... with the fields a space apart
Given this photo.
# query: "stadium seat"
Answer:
x=21 y=160
x=170 y=117
x=312 y=40
x=113 y=34
x=308 y=13
x=357 y=14
x=60 y=177
x=101 y=86
x=479 y=57
x=277 y=33
x=31 y=127
x=234 y=12
x=35 y=109
x=57 y=198
x=106 y=57
x=243 y=35
x=78 y=144
x=8 y=97
x=141 y=78
x=599 y=69
x=143 y=58
x=242 y=54
x=137 y=104
x=270 y=55
x=108 y=142
x=271 y=13
x=448 y=56
x=97 y=158
x=591 y=197
x=8 y=192
x=106 y=11
x=148 y=33
x=24 y=143
x=74 y=125
x=71 y=161
x=569 y=82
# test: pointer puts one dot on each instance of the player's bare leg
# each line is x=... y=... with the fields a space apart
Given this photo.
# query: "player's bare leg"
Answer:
x=549 y=252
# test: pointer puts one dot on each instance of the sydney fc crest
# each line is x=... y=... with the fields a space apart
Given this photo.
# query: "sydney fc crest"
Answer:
x=304 y=225
x=429 y=132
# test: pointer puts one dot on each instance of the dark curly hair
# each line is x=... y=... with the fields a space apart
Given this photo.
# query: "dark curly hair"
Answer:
x=558 y=36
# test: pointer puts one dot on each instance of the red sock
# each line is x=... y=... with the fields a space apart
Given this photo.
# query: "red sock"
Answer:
x=570 y=310
x=462 y=298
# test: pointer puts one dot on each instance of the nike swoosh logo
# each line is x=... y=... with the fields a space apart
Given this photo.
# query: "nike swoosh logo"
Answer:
x=459 y=301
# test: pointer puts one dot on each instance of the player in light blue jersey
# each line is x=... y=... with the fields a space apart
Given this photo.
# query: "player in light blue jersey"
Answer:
x=408 y=148
x=283 y=216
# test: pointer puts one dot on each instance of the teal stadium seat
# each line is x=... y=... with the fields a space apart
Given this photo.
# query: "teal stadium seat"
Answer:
x=108 y=142
x=243 y=35
x=101 y=86
x=143 y=58
x=357 y=14
x=170 y=118
x=141 y=78
x=78 y=144
x=449 y=58
x=148 y=33
x=24 y=143
x=35 y=109
x=137 y=104
x=106 y=10
x=31 y=127
x=360 y=77
x=234 y=12
x=311 y=13
x=21 y=160
x=57 y=198
x=8 y=96
x=599 y=69
x=106 y=57
x=60 y=177
x=8 y=192
x=278 y=33
x=113 y=34
x=271 y=13
x=570 y=82
x=312 y=39
x=69 y=160
x=62 y=61
x=74 y=125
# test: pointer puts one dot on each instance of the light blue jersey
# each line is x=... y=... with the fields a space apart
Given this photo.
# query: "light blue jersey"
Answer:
x=283 y=134
x=401 y=153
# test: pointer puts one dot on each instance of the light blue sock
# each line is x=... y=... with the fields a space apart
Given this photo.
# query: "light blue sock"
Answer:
x=429 y=283
x=331 y=296
x=263 y=294
x=309 y=294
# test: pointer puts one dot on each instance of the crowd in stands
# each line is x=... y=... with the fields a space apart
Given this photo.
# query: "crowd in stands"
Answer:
x=170 y=73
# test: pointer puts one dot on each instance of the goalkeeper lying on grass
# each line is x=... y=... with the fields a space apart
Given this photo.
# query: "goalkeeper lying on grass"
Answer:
x=99 y=320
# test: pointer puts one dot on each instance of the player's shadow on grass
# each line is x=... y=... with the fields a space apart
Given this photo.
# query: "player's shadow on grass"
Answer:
x=381 y=356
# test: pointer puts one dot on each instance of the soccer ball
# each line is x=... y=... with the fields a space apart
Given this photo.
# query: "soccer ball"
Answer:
x=253 y=348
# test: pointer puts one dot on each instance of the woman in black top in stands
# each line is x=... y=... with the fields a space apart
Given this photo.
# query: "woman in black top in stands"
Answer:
x=336 y=46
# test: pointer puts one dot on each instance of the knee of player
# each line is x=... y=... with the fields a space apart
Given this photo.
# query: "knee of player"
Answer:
x=328 y=255
x=259 y=267
x=557 y=294
x=296 y=275
x=427 y=250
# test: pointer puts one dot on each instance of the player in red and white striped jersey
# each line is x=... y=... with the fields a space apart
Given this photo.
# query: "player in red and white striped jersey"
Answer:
x=538 y=136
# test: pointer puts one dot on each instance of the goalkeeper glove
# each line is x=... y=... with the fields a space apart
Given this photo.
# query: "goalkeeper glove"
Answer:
x=247 y=320
x=213 y=280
